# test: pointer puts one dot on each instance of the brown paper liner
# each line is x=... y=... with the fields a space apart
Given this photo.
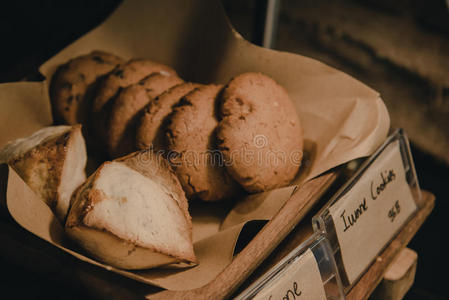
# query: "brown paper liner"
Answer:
x=342 y=118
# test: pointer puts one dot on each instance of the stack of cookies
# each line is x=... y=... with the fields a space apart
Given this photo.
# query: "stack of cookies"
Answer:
x=220 y=140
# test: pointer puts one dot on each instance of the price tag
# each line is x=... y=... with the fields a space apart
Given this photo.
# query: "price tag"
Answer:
x=299 y=280
x=368 y=216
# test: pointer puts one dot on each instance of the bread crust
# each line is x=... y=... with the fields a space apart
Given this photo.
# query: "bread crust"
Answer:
x=154 y=165
x=104 y=244
x=42 y=166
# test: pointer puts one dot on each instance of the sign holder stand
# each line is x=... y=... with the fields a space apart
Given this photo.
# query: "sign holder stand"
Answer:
x=277 y=281
x=325 y=238
x=368 y=183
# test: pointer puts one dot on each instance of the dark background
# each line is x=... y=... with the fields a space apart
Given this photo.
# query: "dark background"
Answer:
x=33 y=31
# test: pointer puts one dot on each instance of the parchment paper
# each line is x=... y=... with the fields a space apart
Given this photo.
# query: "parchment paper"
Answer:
x=342 y=118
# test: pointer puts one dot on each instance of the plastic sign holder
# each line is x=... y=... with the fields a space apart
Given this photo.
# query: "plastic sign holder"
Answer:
x=369 y=210
x=307 y=272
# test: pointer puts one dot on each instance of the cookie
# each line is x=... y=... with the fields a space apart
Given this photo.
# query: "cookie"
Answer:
x=127 y=107
x=123 y=76
x=191 y=145
x=150 y=131
x=259 y=134
x=72 y=85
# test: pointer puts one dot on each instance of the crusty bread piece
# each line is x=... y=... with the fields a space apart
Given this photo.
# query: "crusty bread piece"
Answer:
x=132 y=214
x=51 y=161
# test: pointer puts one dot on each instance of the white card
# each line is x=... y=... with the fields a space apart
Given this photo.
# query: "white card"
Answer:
x=300 y=280
x=368 y=216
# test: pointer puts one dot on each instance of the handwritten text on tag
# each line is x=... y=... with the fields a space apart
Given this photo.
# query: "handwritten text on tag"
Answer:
x=369 y=215
x=300 y=280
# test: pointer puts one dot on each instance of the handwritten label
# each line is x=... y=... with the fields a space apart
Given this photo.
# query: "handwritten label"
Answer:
x=368 y=216
x=300 y=280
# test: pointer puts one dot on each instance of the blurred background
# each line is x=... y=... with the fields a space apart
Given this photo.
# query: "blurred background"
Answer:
x=399 y=48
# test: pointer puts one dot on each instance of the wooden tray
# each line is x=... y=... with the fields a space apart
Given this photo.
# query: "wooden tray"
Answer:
x=33 y=253
x=26 y=250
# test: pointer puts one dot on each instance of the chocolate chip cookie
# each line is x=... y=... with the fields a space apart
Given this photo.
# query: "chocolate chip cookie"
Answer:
x=259 y=133
x=191 y=145
x=123 y=76
x=73 y=83
x=127 y=110
x=150 y=131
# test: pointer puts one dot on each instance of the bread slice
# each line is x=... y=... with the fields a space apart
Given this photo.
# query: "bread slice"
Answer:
x=51 y=161
x=132 y=214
